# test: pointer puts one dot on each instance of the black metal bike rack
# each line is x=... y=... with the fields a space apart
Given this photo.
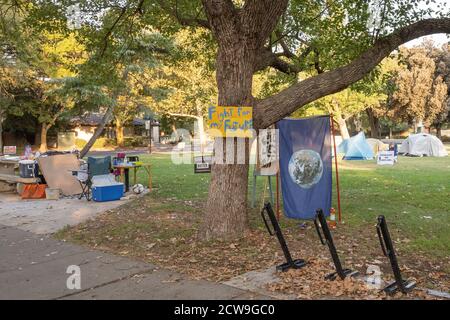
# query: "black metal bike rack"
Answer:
x=290 y=263
x=404 y=286
x=342 y=273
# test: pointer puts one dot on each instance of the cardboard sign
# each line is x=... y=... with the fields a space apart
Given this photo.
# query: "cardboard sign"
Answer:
x=386 y=158
x=9 y=150
x=57 y=171
x=230 y=121
x=267 y=153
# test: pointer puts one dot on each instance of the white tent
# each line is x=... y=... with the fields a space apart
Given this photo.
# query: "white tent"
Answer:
x=423 y=144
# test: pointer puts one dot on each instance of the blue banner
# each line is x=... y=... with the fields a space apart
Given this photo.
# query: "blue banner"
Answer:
x=305 y=166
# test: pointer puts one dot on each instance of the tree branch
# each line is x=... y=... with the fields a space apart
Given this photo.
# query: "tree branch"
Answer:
x=266 y=58
x=183 y=115
x=184 y=21
x=276 y=107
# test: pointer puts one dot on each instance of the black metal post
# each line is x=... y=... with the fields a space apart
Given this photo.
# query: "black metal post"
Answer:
x=388 y=249
x=342 y=273
x=290 y=263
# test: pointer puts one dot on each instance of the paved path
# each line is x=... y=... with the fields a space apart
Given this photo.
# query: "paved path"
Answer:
x=48 y=216
x=34 y=267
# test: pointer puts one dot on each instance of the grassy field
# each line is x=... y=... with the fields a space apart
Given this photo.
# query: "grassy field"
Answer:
x=161 y=228
x=414 y=195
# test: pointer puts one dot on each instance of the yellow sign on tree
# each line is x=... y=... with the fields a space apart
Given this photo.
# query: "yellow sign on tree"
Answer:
x=230 y=121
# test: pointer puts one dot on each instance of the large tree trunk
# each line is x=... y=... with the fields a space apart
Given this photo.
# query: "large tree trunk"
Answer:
x=98 y=131
x=44 y=131
x=240 y=34
x=119 y=133
x=226 y=207
x=374 y=124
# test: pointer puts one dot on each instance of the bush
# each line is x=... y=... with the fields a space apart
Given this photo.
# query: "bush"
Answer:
x=80 y=143
x=135 y=142
x=99 y=143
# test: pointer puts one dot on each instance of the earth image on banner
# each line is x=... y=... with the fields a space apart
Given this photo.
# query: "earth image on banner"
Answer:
x=305 y=168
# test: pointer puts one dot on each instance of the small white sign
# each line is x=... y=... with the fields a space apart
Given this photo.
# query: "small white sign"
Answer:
x=386 y=158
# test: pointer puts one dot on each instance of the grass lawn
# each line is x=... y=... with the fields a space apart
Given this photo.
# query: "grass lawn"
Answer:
x=161 y=228
x=406 y=193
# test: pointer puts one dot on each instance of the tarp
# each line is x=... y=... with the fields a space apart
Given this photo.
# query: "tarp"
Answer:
x=356 y=148
x=305 y=166
x=423 y=144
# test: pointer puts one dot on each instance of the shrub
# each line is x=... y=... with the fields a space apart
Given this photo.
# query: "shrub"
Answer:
x=135 y=141
x=99 y=143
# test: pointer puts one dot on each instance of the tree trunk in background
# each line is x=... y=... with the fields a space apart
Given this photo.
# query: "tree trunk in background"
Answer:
x=44 y=130
x=37 y=135
x=439 y=130
x=342 y=127
x=106 y=118
x=174 y=131
x=374 y=124
x=119 y=133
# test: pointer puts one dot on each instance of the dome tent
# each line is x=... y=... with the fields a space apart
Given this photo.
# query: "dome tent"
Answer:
x=356 y=148
x=423 y=144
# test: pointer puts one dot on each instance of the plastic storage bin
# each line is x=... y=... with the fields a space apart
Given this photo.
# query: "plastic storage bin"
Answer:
x=107 y=193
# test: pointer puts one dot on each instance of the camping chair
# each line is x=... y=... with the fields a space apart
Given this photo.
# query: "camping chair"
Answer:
x=95 y=167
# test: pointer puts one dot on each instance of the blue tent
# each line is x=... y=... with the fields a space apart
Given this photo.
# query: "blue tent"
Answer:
x=356 y=148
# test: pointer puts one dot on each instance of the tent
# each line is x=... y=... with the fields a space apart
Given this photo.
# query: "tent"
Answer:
x=423 y=144
x=356 y=148
x=377 y=145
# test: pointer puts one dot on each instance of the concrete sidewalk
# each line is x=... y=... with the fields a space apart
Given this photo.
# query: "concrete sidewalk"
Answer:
x=34 y=267
x=48 y=216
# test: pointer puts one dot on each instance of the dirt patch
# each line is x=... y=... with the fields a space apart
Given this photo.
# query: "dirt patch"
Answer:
x=165 y=233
